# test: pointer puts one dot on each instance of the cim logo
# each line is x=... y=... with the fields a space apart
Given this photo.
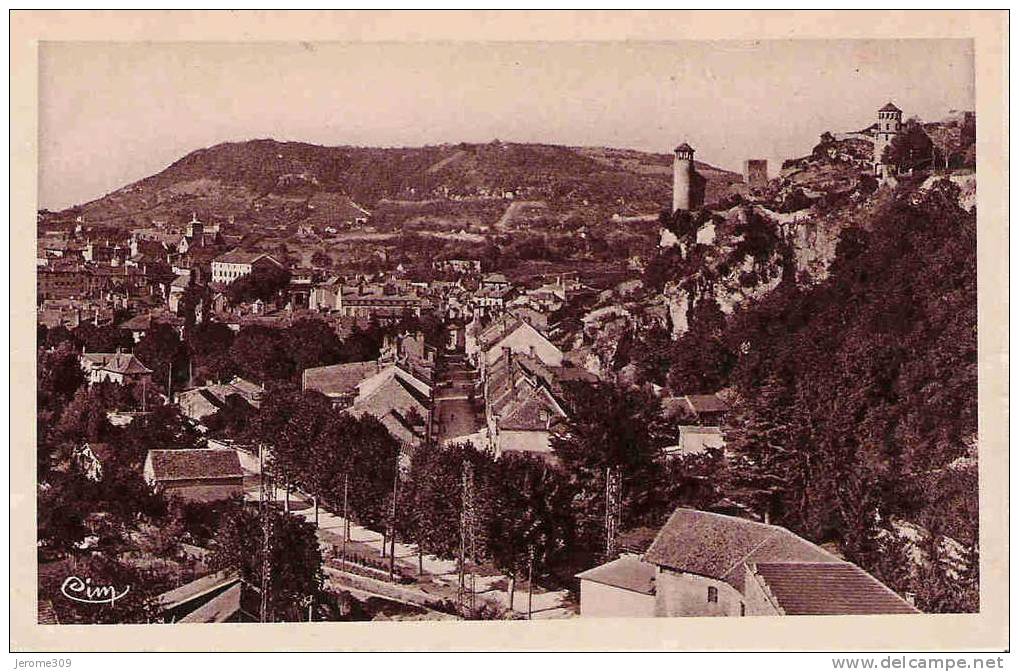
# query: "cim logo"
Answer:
x=82 y=590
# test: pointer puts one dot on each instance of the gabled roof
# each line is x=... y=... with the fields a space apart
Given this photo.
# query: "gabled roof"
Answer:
x=194 y=464
x=116 y=362
x=705 y=403
x=338 y=379
x=238 y=256
x=519 y=394
x=684 y=148
x=138 y=323
x=719 y=547
x=816 y=588
x=889 y=107
x=494 y=277
x=628 y=572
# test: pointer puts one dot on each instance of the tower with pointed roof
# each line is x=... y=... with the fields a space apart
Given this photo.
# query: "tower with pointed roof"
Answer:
x=889 y=125
x=683 y=178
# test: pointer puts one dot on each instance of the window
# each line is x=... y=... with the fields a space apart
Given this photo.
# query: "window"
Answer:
x=712 y=594
x=742 y=609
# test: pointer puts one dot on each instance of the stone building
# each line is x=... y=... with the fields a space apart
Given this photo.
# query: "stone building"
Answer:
x=755 y=173
x=709 y=564
x=687 y=184
x=889 y=125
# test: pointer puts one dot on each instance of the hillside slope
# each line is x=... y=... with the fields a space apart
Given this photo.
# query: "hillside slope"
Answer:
x=269 y=182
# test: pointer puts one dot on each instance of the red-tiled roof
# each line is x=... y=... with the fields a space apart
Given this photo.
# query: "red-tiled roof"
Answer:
x=195 y=464
x=718 y=546
x=627 y=572
x=814 y=588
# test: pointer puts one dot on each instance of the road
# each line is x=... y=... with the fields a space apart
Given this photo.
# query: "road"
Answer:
x=440 y=578
x=454 y=411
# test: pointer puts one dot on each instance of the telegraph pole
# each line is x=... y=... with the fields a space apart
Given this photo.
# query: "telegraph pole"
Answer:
x=392 y=524
x=613 y=507
x=468 y=544
x=346 y=520
x=265 y=509
x=530 y=579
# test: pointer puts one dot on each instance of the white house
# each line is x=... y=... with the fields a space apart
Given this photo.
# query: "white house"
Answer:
x=483 y=347
x=709 y=564
x=237 y=263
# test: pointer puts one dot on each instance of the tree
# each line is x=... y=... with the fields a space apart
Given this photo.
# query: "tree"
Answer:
x=295 y=558
x=312 y=343
x=163 y=428
x=265 y=282
x=107 y=338
x=258 y=353
x=912 y=148
x=136 y=604
x=530 y=519
x=609 y=429
x=321 y=260
x=209 y=346
x=59 y=376
x=161 y=350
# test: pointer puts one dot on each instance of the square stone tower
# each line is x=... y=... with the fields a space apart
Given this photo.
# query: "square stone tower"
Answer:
x=755 y=173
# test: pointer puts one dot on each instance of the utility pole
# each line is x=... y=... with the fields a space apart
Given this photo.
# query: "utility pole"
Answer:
x=265 y=509
x=613 y=506
x=465 y=599
x=530 y=579
x=392 y=519
x=346 y=521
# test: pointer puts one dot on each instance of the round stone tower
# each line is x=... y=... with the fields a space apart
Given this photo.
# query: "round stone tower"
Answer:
x=682 y=178
x=889 y=125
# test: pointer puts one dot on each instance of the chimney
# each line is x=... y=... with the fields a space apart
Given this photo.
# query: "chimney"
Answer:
x=531 y=352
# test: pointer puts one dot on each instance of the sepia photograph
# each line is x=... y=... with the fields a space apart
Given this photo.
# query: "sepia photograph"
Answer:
x=432 y=330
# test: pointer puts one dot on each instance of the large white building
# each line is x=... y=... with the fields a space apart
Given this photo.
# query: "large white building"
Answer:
x=237 y=263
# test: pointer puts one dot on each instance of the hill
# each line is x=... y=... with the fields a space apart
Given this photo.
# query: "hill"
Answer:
x=266 y=182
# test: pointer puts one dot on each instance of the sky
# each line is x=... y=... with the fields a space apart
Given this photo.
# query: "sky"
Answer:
x=114 y=113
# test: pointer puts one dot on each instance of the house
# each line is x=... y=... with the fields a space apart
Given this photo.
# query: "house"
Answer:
x=521 y=408
x=459 y=266
x=213 y=598
x=338 y=381
x=179 y=285
x=62 y=281
x=708 y=564
x=484 y=346
x=322 y=296
x=489 y=301
x=115 y=367
x=139 y=325
x=200 y=402
x=815 y=589
x=383 y=303
x=622 y=588
x=696 y=440
x=704 y=409
x=237 y=263
x=535 y=318
x=195 y=474
x=496 y=281
x=398 y=400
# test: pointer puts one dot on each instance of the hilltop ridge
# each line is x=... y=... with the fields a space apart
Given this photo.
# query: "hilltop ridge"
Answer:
x=267 y=181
